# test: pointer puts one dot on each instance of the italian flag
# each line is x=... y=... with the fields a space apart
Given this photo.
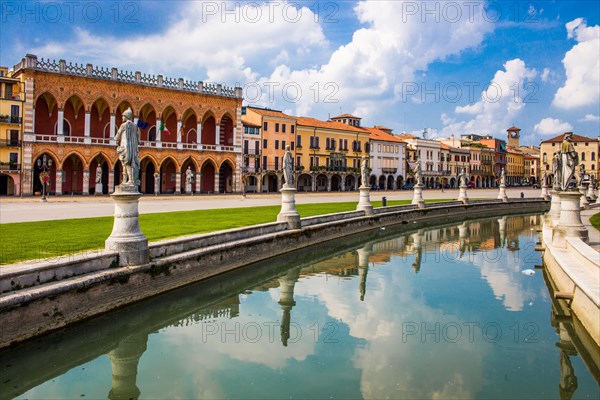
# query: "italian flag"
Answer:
x=164 y=129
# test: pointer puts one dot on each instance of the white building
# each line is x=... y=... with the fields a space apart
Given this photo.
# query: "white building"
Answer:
x=429 y=153
x=387 y=158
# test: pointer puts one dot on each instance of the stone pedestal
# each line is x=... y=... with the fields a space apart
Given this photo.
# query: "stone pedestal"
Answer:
x=598 y=198
x=545 y=194
x=584 y=204
x=462 y=194
x=288 y=211
x=124 y=361
x=591 y=193
x=569 y=224
x=418 y=196
x=126 y=239
x=364 y=203
x=552 y=217
x=98 y=189
x=188 y=188
x=502 y=193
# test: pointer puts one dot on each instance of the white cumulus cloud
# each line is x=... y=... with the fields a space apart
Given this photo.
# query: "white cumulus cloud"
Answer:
x=552 y=126
x=590 y=118
x=499 y=104
x=582 y=63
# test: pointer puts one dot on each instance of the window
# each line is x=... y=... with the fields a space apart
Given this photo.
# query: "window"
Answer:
x=243 y=110
x=265 y=126
x=379 y=148
x=245 y=129
x=283 y=144
x=264 y=161
x=276 y=163
x=332 y=144
x=292 y=147
x=341 y=144
x=367 y=147
x=276 y=127
x=292 y=129
x=317 y=146
x=582 y=156
x=264 y=143
x=245 y=147
x=593 y=156
x=277 y=145
x=256 y=147
x=298 y=140
x=283 y=128
x=327 y=144
x=346 y=144
x=312 y=161
x=297 y=160
x=312 y=141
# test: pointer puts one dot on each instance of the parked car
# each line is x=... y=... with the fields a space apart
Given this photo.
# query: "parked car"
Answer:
x=536 y=185
x=408 y=186
x=471 y=185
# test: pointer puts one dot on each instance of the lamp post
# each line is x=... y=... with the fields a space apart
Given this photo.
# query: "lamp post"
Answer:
x=44 y=164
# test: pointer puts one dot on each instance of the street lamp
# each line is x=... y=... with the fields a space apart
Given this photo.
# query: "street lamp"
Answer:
x=44 y=164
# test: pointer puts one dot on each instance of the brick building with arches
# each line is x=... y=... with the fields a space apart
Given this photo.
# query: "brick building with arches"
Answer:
x=72 y=112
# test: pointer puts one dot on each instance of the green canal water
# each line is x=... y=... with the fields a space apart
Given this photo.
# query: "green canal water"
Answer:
x=437 y=313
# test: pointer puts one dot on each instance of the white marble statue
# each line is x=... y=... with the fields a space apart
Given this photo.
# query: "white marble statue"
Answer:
x=364 y=172
x=189 y=175
x=462 y=178
x=502 y=177
x=581 y=174
x=288 y=166
x=556 y=171
x=128 y=139
x=418 y=172
x=569 y=161
x=99 y=174
x=156 y=183
x=545 y=179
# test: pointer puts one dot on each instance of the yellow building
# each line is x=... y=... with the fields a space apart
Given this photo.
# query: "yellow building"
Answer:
x=11 y=117
x=274 y=130
x=586 y=147
x=328 y=154
x=515 y=166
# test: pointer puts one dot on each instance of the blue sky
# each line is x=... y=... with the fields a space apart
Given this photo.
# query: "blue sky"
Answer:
x=453 y=67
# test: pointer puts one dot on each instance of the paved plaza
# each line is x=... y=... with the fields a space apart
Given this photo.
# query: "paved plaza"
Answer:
x=64 y=207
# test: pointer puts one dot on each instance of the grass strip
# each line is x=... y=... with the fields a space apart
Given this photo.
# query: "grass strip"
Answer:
x=595 y=221
x=48 y=239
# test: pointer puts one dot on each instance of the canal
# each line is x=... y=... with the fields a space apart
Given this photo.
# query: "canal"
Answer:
x=452 y=311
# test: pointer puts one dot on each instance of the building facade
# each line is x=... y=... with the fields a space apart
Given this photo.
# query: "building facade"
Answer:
x=328 y=154
x=11 y=133
x=428 y=152
x=72 y=112
x=387 y=158
x=586 y=147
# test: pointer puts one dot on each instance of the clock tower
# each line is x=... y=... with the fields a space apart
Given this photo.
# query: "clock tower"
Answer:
x=513 y=136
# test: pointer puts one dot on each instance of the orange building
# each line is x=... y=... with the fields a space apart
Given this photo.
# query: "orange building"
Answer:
x=72 y=112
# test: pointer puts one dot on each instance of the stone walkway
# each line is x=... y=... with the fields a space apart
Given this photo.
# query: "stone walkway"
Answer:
x=14 y=209
x=594 y=234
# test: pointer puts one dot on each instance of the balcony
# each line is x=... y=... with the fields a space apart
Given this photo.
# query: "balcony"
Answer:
x=7 y=166
x=390 y=171
x=10 y=143
x=10 y=119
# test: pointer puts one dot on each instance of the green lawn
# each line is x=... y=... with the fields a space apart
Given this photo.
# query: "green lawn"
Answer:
x=38 y=240
x=595 y=220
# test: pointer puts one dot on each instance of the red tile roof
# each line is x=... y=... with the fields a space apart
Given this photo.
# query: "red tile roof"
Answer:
x=270 y=113
x=305 y=121
x=345 y=116
x=378 y=134
x=574 y=137
x=513 y=129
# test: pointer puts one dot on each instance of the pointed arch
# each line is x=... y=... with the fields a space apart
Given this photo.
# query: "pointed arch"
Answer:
x=209 y=128
x=74 y=113
x=226 y=130
x=148 y=115
x=46 y=114
x=207 y=176
x=73 y=166
x=169 y=118
x=37 y=184
x=99 y=117
x=168 y=174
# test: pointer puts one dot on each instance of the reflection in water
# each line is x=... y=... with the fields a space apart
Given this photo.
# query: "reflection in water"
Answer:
x=286 y=301
x=124 y=363
x=457 y=329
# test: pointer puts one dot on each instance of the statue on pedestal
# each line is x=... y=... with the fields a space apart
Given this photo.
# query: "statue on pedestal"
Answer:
x=418 y=173
x=462 y=178
x=502 y=177
x=156 y=183
x=364 y=172
x=189 y=175
x=569 y=161
x=556 y=171
x=128 y=139
x=288 y=165
x=98 y=174
x=581 y=175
